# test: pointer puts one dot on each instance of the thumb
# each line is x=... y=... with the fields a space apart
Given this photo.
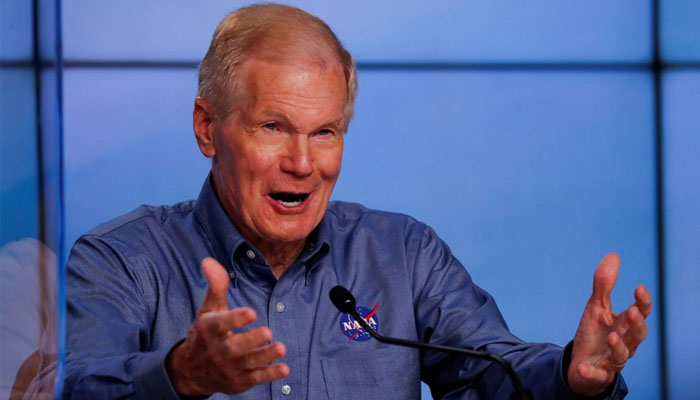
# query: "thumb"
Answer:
x=218 y=286
x=604 y=279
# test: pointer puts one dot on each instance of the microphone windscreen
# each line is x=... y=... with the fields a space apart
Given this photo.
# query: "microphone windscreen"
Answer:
x=342 y=299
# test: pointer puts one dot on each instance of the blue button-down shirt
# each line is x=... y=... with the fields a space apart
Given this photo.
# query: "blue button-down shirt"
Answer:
x=135 y=285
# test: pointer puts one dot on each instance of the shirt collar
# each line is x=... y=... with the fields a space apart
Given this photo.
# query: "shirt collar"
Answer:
x=222 y=233
x=227 y=239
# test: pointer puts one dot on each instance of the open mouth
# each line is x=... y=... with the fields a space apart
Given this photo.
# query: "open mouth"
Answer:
x=289 y=199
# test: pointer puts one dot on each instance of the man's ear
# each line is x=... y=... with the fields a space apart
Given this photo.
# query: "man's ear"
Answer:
x=203 y=125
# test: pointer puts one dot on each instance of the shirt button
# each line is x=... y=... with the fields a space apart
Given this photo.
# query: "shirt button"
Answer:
x=286 y=389
x=231 y=274
x=280 y=307
x=250 y=254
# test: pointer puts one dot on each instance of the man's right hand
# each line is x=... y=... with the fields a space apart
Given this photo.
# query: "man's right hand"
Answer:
x=215 y=359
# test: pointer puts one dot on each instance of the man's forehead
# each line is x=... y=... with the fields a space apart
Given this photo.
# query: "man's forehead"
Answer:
x=302 y=60
x=262 y=74
x=272 y=88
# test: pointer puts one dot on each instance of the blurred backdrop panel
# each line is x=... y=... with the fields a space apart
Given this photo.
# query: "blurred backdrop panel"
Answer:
x=29 y=228
x=682 y=145
x=16 y=30
x=680 y=30
x=390 y=30
x=19 y=188
x=18 y=154
x=129 y=141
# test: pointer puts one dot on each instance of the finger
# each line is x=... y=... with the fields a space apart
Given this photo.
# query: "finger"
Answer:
x=263 y=356
x=622 y=322
x=604 y=279
x=219 y=323
x=643 y=300
x=264 y=375
x=636 y=331
x=618 y=352
x=218 y=286
x=243 y=343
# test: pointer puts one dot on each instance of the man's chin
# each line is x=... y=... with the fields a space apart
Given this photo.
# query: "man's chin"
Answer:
x=278 y=229
x=290 y=229
x=290 y=236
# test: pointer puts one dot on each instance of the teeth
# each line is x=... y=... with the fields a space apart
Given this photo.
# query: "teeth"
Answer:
x=290 y=203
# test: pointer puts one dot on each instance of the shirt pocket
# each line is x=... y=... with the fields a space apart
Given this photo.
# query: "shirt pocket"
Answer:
x=386 y=373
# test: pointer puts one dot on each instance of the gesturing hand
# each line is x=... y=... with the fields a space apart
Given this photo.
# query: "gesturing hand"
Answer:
x=213 y=358
x=605 y=341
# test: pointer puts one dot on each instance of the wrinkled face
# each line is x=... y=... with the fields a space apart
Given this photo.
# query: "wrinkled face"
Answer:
x=278 y=153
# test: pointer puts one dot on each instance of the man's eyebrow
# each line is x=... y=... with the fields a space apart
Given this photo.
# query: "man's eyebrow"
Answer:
x=336 y=123
x=278 y=116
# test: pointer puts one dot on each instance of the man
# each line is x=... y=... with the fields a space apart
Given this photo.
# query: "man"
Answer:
x=275 y=99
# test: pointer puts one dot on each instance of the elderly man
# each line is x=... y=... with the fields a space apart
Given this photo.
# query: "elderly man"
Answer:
x=276 y=93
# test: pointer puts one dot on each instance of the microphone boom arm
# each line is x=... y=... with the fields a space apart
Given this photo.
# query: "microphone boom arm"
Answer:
x=472 y=353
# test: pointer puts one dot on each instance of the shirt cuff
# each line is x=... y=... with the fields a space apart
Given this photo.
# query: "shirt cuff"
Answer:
x=616 y=390
x=151 y=380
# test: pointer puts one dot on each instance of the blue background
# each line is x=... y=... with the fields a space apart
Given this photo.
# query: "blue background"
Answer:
x=523 y=133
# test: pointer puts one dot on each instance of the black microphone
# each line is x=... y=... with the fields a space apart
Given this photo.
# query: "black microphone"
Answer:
x=344 y=301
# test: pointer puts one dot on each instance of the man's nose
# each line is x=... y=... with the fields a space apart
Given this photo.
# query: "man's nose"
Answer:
x=297 y=160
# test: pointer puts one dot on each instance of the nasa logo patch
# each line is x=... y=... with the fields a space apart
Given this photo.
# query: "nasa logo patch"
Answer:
x=353 y=330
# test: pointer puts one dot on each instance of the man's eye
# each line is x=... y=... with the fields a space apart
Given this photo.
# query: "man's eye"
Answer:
x=270 y=126
x=324 y=132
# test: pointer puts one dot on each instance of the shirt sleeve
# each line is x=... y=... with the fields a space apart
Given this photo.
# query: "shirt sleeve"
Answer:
x=451 y=310
x=107 y=336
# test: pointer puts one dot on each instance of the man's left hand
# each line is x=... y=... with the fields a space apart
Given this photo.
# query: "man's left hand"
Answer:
x=604 y=340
